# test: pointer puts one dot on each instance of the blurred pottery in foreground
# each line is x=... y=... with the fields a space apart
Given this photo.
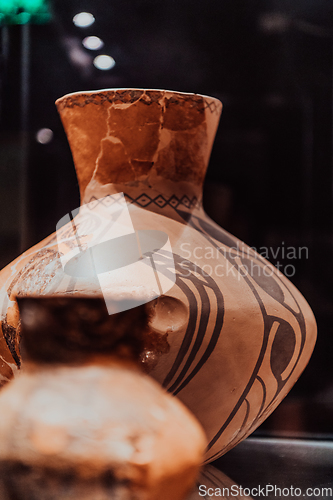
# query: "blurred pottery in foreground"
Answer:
x=232 y=335
x=82 y=421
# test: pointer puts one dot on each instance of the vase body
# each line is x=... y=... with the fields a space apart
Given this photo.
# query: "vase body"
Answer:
x=232 y=335
x=82 y=421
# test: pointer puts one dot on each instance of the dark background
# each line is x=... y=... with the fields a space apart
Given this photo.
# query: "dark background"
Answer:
x=270 y=177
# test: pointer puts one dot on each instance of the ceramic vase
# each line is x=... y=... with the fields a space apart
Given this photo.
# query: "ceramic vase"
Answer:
x=232 y=335
x=82 y=420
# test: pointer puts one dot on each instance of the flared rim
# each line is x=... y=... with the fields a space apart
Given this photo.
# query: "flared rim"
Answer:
x=83 y=93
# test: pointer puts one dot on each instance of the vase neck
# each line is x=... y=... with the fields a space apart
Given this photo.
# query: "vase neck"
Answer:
x=162 y=197
x=154 y=146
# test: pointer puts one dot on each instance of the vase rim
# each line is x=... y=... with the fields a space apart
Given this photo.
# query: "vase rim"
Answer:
x=135 y=89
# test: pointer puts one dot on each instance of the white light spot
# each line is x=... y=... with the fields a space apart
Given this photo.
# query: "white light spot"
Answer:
x=93 y=43
x=104 y=62
x=44 y=135
x=83 y=19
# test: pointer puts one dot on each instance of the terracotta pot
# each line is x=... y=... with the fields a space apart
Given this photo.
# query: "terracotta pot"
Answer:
x=232 y=336
x=82 y=421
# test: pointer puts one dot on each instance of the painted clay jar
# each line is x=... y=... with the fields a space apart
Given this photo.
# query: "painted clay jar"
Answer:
x=232 y=335
x=82 y=420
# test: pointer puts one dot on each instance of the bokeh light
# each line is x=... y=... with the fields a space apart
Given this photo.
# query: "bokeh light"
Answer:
x=104 y=62
x=83 y=19
x=92 y=43
x=44 y=135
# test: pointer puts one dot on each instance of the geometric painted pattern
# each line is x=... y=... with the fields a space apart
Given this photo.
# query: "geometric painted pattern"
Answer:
x=145 y=200
x=213 y=106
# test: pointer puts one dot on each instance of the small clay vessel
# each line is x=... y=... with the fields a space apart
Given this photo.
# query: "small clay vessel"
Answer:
x=81 y=421
x=232 y=335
